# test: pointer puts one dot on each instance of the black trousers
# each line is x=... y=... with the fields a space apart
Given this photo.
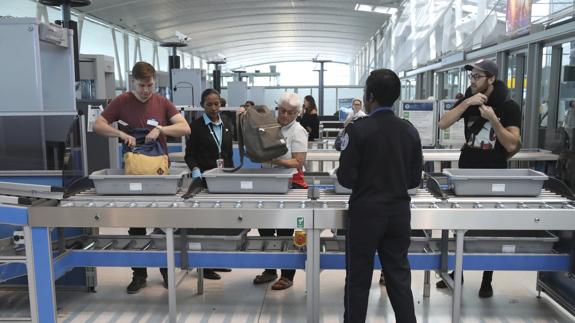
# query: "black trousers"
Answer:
x=287 y=273
x=142 y=272
x=388 y=233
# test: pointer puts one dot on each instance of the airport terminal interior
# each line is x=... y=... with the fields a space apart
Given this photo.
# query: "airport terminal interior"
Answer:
x=93 y=191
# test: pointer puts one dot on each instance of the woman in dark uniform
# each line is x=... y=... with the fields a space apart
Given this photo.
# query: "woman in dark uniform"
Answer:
x=209 y=145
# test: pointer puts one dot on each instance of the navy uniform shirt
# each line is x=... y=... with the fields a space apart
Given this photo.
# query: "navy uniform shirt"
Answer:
x=380 y=160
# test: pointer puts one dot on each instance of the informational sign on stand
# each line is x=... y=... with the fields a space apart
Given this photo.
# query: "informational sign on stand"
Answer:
x=454 y=136
x=423 y=115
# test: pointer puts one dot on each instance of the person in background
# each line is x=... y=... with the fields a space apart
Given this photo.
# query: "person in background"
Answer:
x=209 y=146
x=228 y=117
x=356 y=113
x=380 y=160
x=142 y=108
x=492 y=130
x=296 y=141
x=569 y=122
x=249 y=104
x=309 y=120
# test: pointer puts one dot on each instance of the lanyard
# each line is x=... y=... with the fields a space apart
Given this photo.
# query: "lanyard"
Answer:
x=218 y=143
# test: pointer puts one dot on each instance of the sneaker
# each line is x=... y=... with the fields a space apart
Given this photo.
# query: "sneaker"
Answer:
x=486 y=290
x=136 y=284
x=211 y=274
x=265 y=277
x=382 y=279
x=441 y=284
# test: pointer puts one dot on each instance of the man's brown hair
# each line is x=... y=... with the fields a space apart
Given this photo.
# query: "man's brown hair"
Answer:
x=143 y=71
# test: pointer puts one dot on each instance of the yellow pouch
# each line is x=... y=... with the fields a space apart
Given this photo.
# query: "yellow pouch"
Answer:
x=140 y=164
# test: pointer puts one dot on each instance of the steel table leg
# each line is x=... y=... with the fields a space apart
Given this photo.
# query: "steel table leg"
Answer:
x=312 y=269
x=456 y=309
x=32 y=292
x=171 y=274
x=43 y=276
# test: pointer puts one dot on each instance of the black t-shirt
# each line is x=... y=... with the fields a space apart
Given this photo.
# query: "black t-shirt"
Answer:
x=310 y=121
x=482 y=149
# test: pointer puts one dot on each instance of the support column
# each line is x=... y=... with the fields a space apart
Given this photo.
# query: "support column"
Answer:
x=554 y=84
x=502 y=61
x=117 y=56
x=531 y=112
x=321 y=85
x=127 y=66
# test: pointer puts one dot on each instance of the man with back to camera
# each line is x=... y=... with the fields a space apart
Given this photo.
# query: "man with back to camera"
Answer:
x=142 y=108
x=492 y=129
x=380 y=160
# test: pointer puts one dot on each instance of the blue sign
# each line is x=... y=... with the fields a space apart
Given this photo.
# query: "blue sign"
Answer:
x=420 y=106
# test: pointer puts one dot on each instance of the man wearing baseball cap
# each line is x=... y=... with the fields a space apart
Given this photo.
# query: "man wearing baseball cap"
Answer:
x=492 y=129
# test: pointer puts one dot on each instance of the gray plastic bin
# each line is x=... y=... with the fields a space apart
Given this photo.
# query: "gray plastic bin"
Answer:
x=339 y=189
x=245 y=180
x=479 y=241
x=495 y=182
x=419 y=242
x=209 y=239
x=113 y=182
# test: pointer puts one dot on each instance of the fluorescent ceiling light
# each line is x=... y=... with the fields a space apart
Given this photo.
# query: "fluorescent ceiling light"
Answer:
x=363 y=7
x=385 y=10
x=376 y=9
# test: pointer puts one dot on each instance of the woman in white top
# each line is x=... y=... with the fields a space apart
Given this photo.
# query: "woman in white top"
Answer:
x=356 y=105
x=296 y=140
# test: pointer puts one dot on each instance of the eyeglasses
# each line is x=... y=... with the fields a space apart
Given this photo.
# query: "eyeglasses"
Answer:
x=289 y=112
x=475 y=77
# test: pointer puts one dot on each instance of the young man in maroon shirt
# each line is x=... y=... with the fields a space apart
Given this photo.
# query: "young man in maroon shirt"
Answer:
x=142 y=108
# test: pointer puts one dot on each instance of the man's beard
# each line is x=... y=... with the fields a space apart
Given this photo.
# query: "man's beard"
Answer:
x=475 y=90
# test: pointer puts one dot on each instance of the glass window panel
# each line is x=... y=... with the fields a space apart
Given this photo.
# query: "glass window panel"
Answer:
x=330 y=101
x=18 y=8
x=147 y=49
x=163 y=55
x=96 y=39
x=544 y=91
x=566 y=109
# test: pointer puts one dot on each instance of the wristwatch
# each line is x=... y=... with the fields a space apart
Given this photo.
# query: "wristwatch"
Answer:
x=160 y=128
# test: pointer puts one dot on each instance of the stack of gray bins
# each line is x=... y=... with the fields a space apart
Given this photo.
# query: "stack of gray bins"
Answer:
x=501 y=182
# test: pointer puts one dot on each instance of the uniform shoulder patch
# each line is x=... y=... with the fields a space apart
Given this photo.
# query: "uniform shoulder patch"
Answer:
x=344 y=141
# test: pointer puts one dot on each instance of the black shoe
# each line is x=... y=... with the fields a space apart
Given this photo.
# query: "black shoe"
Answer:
x=165 y=280
x=486 y=290
x=441 y=284
x=136 y=284
x=382 y=279
x=223 y=270
x=211 y=274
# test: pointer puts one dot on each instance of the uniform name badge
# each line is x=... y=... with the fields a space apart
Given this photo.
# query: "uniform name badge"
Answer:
x=344 y=141
x=220 y=163
x=152 y=122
